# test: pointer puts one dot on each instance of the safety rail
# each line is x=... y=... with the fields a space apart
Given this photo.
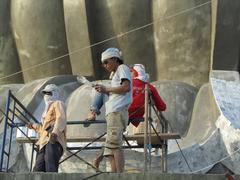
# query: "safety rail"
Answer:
x=17 y=116
x=14 y=112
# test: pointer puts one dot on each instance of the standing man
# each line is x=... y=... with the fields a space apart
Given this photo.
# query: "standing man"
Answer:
x=136 y=109
x=52 y=131
x=120 y=96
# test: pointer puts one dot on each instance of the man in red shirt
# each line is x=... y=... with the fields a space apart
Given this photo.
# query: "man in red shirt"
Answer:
x=139 y=80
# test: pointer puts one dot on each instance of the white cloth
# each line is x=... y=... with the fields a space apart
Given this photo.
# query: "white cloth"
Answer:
x=117 y=102
x=49 y=99
x=111 y=52
x=142 y=75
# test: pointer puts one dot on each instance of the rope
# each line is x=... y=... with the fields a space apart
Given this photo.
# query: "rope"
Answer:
x=106 y=40
x=184 y=157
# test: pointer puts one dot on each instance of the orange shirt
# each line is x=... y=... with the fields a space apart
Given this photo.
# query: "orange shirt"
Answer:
x=54 y=122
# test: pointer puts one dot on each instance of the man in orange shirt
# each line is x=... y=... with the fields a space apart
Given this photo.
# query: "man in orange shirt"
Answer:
x=51 y=131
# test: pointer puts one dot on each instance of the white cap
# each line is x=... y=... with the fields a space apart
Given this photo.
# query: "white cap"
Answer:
x=142 y=75
x=110 y=53
x=50 y=88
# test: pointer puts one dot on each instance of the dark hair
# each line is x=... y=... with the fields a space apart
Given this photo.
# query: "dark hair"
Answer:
x=119 y=61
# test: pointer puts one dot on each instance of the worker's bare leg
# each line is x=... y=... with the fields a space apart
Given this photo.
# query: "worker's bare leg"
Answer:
x=112 y=163
x=119 y=160
x=97 y=160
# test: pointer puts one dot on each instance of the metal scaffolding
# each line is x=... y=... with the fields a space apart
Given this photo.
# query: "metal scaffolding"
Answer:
x=16 y=116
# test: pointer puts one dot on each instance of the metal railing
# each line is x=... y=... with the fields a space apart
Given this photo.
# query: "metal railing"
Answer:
x=17 y=116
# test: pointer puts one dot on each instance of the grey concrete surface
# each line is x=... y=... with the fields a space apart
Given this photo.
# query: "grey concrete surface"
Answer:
x=179 y=98
x=21 y=164
x=31 y=96
x=172 y=48
x=9 y=62
x=112 y=19
x=214 y=9
x=226 y=48
x=231 y=76
x=182 y=42
x=205 y=113
x=108 y=176
x=78 y=107
x=39 y=32
x=76 y=24
x=214 y=130
x=227 y=97
x=202 y=145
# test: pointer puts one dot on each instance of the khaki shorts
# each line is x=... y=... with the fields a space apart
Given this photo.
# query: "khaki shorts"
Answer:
x=116 y=124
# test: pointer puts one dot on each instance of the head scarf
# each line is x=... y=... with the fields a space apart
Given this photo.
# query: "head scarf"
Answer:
x=49 y=99
x=110 y=53
x=141 y=73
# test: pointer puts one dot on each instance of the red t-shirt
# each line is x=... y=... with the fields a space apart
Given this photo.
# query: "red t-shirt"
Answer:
x=136 y=108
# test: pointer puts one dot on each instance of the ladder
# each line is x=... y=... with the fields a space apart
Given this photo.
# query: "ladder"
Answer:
x=15 y=116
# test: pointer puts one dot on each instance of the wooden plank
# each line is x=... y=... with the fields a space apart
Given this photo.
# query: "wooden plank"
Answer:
x=162 y=136
x=139 y=138
x=154 y=138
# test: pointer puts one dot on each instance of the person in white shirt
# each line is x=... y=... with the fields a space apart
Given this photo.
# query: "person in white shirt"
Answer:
x=120 y=96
